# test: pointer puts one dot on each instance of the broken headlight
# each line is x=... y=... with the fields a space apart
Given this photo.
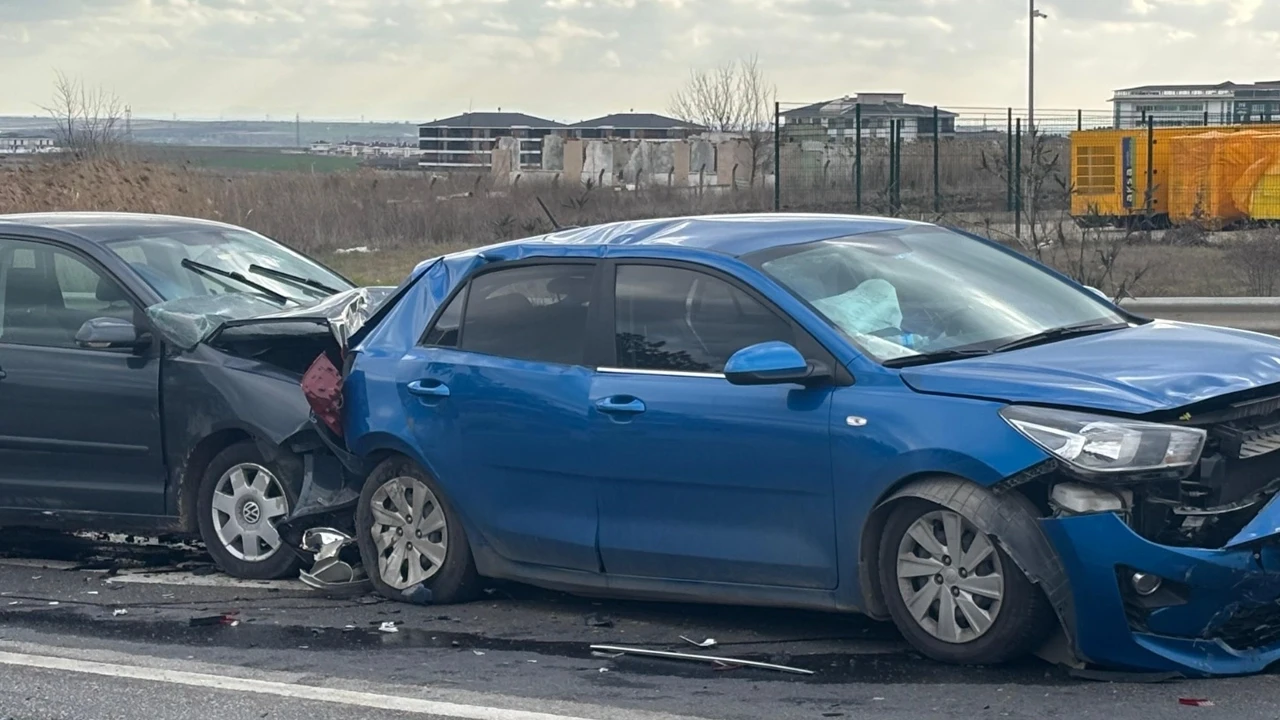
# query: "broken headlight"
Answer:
x=1099 y=445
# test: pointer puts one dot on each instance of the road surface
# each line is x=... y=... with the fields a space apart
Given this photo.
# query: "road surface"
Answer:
x=84 y=644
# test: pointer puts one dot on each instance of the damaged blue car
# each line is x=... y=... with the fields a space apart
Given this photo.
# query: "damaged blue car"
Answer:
x=815 y=411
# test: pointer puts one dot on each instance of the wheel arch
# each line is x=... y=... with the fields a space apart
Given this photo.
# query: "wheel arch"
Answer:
x=194 y=466
x=1009 y=518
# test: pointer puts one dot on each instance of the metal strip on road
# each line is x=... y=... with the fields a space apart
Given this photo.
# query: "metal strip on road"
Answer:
x=189 y=579
x=297 y=692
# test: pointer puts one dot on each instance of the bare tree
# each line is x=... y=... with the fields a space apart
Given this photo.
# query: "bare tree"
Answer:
x=733 y=98
x=87 y=119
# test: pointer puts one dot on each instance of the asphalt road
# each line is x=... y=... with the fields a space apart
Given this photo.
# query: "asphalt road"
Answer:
x=82 y=643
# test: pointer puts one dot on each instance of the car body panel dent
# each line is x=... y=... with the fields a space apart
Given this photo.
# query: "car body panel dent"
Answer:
x=1153 y=367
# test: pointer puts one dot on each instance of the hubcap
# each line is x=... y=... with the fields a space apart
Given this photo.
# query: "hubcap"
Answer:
x=950 y=577
x=409 y=531
x=248 y=501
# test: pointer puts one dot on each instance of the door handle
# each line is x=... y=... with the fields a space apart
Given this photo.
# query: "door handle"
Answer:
x=429 y=389
x=621 y=405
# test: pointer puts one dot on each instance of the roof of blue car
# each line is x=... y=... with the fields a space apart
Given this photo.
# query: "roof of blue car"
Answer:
x=99 y=227
x=729 y=234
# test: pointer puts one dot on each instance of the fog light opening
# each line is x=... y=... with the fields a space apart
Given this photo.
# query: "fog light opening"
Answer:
x=1145 y=584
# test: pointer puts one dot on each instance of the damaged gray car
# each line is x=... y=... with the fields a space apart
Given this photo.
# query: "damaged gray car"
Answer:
x=150 y=371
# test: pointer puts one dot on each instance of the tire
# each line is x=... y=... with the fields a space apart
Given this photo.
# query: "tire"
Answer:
x=1016 y=623
x=242 y=484
x=440 y=560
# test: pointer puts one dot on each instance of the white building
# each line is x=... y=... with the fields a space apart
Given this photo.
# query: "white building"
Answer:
x=1226 y=103
x=14 y=143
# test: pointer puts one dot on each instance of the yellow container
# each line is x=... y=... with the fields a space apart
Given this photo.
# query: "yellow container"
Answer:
x=1109 y=170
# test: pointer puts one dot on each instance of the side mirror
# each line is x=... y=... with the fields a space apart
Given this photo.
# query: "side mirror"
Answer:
x=108 y=333
x=771 y=363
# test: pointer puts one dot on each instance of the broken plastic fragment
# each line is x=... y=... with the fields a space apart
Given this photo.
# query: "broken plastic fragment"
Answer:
x=1195 y=702
x=388 y=627
x=119 y=611
x=709 y=642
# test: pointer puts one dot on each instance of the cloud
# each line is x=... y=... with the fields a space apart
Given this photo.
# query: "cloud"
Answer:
x=569 y=59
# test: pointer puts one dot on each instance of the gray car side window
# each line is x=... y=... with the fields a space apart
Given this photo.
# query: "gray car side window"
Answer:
x=47 y=293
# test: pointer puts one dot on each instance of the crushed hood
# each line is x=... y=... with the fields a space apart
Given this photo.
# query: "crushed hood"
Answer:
x=187 y=322
x=1154 y=367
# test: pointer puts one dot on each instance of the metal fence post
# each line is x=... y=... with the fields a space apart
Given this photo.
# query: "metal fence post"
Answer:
x=1008 y=160
x=1079 y=119
x=1151 y=165
x=777 y=157
x=1017 y=173
x=897 y=173
x=892 y=167
x=1206 y=118
x=857 y=157
x=937 y=166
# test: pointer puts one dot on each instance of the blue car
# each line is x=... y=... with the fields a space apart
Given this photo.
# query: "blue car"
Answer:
x=827 y=412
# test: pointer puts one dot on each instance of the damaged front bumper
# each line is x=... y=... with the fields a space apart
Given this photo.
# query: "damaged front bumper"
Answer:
x=1214 y=612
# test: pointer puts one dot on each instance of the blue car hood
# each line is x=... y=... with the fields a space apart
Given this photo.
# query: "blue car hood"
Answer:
x=1158 y=366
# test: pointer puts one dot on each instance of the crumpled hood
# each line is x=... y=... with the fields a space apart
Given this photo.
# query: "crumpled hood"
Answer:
x=1159 y=366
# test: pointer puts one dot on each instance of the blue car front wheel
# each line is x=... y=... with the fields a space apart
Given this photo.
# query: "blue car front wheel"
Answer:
x=953 y=592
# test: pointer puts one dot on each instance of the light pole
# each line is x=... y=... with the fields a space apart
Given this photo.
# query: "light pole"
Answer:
x=1034 y=15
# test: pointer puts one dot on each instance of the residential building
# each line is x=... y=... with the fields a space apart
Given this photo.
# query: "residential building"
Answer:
x=838 y=119
x=24 y=143
x=467 y=140
x=1175 y=105
x=635 y=126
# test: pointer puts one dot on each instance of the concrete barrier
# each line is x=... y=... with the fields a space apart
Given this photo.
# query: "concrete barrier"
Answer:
x=1259 y=314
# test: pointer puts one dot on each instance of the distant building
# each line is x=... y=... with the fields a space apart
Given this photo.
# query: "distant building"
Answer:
x=838 y=119
x=635 y=126
x=468 y=140
x=18 y=143
x=1175 y=105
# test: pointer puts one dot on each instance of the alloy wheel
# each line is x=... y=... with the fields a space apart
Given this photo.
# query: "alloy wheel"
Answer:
x=950 y=577
x=410 y=532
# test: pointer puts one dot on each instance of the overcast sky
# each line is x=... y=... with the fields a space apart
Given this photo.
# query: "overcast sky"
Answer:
x=571 y=59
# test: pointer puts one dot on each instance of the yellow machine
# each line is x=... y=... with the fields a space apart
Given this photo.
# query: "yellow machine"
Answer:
x=1212 y=175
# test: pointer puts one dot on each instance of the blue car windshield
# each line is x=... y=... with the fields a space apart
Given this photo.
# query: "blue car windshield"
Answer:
x=158 y=259
x=923 y=290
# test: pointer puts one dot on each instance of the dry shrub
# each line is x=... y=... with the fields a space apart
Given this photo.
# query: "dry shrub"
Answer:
x=319 y=213
x=1256 y=257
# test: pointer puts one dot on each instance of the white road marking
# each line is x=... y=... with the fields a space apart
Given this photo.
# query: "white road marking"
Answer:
x=142 y=577
x=286 y=690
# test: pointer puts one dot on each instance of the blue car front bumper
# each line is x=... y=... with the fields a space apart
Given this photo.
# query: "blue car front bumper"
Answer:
x=1218 y=612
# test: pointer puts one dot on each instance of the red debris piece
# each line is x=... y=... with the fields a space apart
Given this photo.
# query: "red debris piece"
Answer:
x=1195 y=702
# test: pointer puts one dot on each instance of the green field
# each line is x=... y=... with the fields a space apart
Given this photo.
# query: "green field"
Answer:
x=232 y=158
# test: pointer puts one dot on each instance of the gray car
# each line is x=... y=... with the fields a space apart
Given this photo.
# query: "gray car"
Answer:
x=149 y=379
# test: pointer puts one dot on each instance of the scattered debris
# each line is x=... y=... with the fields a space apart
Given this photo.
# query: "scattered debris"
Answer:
x=644 y=652
x=388 y=627
x=610 y=656
x=1195 y=702
x=599 y=621
x=477 y=652
x=708 y=643
x=118 y=612
x=1114 y=676
x=227 y=618
x=337 y=568
x=358 y=249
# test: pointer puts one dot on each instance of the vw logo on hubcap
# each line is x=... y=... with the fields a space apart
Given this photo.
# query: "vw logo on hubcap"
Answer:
x=251 y=512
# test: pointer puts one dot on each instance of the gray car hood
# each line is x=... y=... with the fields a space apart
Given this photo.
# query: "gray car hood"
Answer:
x=187 y=322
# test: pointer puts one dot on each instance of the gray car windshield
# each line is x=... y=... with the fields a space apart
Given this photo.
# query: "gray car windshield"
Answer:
x=210 y=254
x=925 y=290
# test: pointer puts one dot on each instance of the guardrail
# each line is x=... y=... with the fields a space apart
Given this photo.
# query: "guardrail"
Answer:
x=1259 y=314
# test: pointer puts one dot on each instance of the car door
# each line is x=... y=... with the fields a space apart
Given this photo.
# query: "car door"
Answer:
x=701 y=480
x=79 y=428
x=496 y=396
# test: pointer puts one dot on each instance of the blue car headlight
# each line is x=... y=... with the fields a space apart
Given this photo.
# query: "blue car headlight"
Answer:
x=1094 y=445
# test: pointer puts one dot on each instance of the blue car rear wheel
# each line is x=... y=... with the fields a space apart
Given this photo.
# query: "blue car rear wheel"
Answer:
x=953 y=592
x=410 y=536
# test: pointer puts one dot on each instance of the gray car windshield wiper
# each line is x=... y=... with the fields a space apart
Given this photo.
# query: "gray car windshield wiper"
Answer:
x=199 y=267
x=1061 y=333
x=296 y=279
x=938 y=356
